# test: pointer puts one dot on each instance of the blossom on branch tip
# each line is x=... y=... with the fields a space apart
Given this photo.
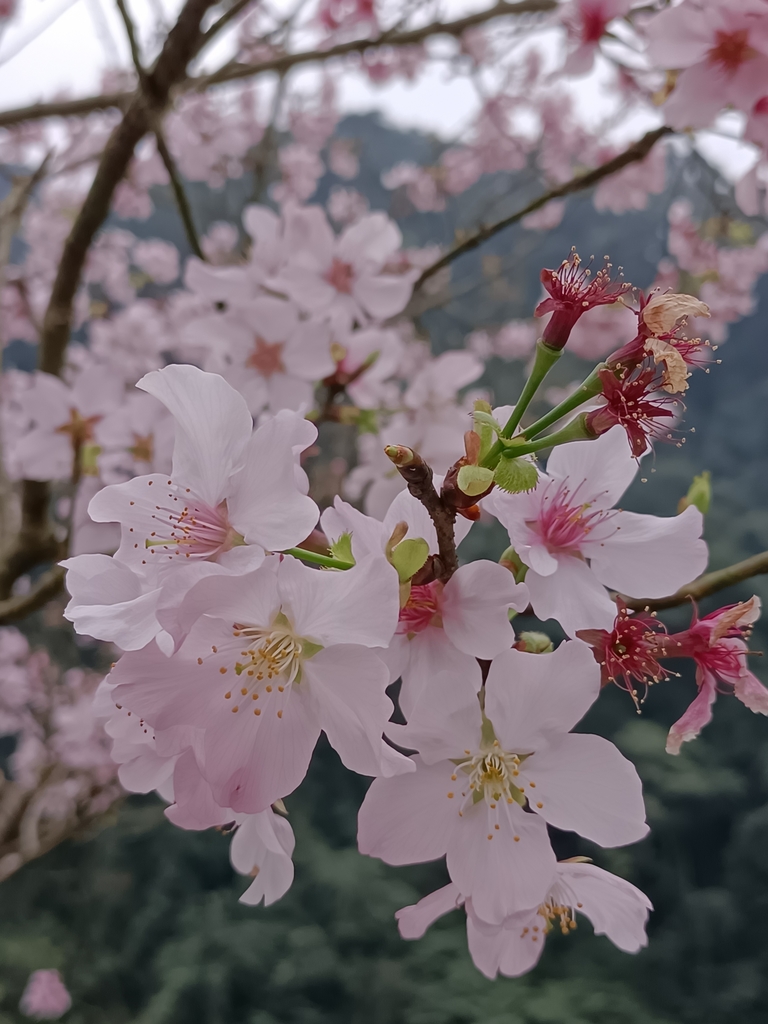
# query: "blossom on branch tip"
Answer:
x=572 y=291
x=633 y=402
x=717 y=644
x=576 y=544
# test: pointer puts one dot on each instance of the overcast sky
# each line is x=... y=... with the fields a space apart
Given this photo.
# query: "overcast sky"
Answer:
x=55 y=46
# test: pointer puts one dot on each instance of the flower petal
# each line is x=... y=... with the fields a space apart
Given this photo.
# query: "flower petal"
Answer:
x=413 y=921
x=475 y=606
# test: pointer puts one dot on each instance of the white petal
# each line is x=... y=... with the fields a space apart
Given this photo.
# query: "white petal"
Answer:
x=602 y=469
x=586 y=785
x=413 y=921
x=615 y=907
x=475 y=608
x=529 y=697
x=213 y=425
x=572 y=595
x=649 y=556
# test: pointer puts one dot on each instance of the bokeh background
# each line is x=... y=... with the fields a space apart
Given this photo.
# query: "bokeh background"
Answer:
x=142 y=918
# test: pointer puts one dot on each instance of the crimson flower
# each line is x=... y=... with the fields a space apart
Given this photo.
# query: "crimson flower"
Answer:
x=633 y=401
x=629 y=653
x=572 y=291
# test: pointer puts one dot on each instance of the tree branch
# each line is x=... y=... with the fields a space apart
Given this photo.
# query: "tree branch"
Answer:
x=281 y=64
x=50 y=585
x=418 y=476
x=637 y=151
x=705 y=585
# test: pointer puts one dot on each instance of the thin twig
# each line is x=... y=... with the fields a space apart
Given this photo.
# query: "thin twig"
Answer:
x=705 y=585
x=50 y=585
x=281 y=64
x=637 y=151
x=183 y=204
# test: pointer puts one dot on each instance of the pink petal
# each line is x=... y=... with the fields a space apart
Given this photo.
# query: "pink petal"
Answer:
x=697 y=715
x=475 y=607
x=407 y=819
x=354 y=606
x=413 y=921
x=585 y=785
x=614 y=906
x=572 y=595
x=213 y=425
x=433 y=670
x=650 y=556
x=500 y=874
x=530 y=697
x=602 y=469
x=751 y=692
x=346 y=685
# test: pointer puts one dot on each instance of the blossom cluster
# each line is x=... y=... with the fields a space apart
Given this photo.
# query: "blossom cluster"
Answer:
x=257 y=596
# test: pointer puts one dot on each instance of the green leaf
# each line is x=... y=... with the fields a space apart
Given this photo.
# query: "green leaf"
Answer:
x=409 y=556
x=516 y=475
x=699 y=494
x=474 y=480
x=342 y=548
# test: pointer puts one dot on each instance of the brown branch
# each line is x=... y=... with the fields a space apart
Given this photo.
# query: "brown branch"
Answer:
x=182 y=203
x=35 y=542
x=637 y=151
x=410 y=37
x=237 y=8
x=418 y=477
x=705 y=585
x=281 y=64
x=50 y=585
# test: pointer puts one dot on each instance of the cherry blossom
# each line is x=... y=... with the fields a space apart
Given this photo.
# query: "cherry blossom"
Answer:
x=513 y=947
x=573 y=291
x=722 y=49
x=576 y=544
x=45 y=996
x=477 y=770
x=272 y=657
x=232 y=494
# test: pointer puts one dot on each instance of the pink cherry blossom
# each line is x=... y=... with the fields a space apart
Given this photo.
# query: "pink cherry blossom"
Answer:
x=342 y=277
x=61 y=420
x=717 y=645
x=45 y=996
x=158 y=259
x=586 y=22
x=270 y=659
x=614 y=907
x=231 y=495
x=576 y=544
x=722 y=48
x=477 y=770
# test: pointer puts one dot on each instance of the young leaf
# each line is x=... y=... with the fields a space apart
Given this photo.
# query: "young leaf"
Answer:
x=409 y=556
x=474 y=480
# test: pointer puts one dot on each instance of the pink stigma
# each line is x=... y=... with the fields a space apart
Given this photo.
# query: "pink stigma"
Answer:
x=422 y=609
x=191 y=529
x=341 y=275
x=562 y=523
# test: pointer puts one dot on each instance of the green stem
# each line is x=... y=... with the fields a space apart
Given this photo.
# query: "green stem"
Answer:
x=576 y=430
x=587 y=389
x=546 y=358
x=316 y=559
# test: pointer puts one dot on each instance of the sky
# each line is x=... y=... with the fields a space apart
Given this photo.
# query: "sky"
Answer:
x=64 y=46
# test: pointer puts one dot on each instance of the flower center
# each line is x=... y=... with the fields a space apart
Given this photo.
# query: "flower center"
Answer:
x=564 y=523
x=731 y=49
x=143 y=449
x=341 y=276
x=190 y=528
x=79 y=428
x=269 y=661
x=593 y=24
x=492 y=777
x=555 y=913
x=266 y=358
x=422 y=609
